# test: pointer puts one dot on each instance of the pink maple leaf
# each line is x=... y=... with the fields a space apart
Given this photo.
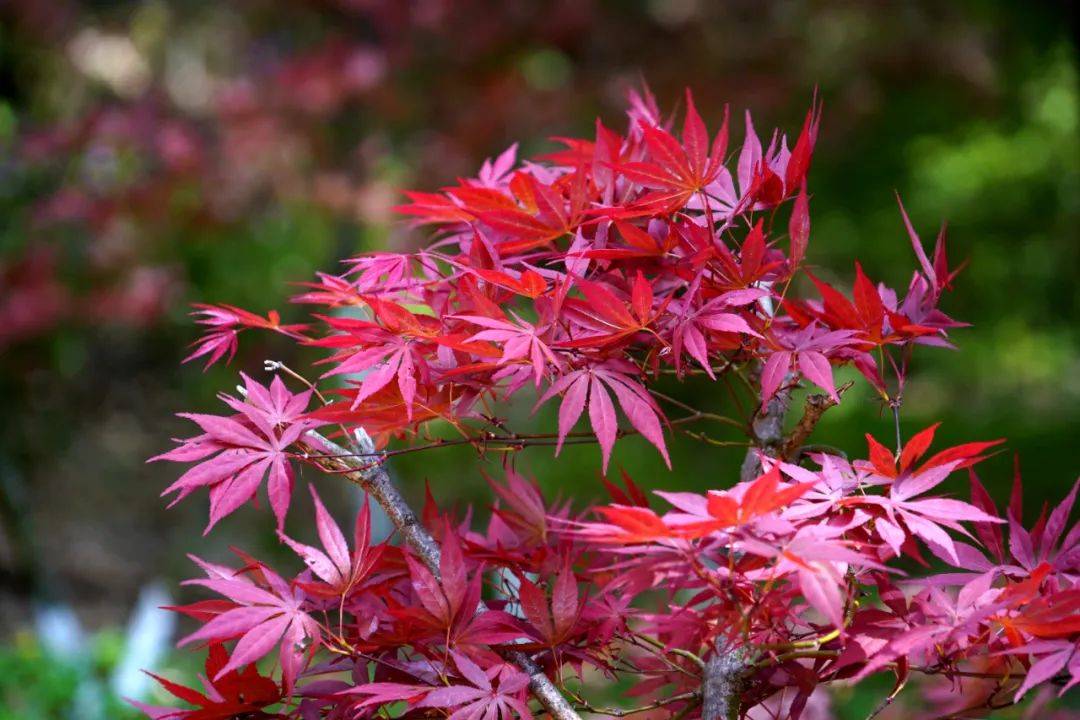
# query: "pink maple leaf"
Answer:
x=237 y=452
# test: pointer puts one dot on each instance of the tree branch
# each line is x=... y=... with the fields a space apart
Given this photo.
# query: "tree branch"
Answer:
x=768 y=432
x=726 y=670
x=722 y=684
x=373 y=478
x=813 y=410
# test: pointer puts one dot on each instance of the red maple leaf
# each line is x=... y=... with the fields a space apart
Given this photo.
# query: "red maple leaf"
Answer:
x=340 y=570
x=676 y=171
x=240 y=692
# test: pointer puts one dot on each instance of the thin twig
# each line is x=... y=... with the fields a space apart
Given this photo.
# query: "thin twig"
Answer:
x=512 y=442
x=887 y=701
x=619 y=712
x=702 y=437
x=796 y=655
x=692 y=657
x=896 y=423
x=696 y=414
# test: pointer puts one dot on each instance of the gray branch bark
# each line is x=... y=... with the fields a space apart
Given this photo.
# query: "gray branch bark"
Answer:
x=373 y=478
x=726 y=670
x=768 y=429
x=722 y=684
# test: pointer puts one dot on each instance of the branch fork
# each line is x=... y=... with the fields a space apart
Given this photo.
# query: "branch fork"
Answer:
x=373 y=478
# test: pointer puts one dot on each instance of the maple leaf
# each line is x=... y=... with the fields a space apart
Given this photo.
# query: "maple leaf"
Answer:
x=1053 y=615
x=799 y=227
x=632 y=495
x=798 y=162
x=381 y=354
x=807 y=351
x=592 y=386
x=520 y=340
x=236 y=453
x=522 y=513
x=897 y=470
x=432 y=208
x=676 y=171
x=937 y=272
x=607 y=318
x=481 y=698
x=260 y=618
x=227 y=694
x=528 y=283
x=448 y=604
x=378 y=694
x=924 y=518
x=381 y=273
x=546 y=214
x=477 y=697
x=626 y=525
x=695 y=323
x=1047 y=547
x=385 y=413
x=695 y=516
x=700 y=516
x=767 y=176
x=270 y=408
x=640 y=244
x=1050 y=659
x=553 y=622
x=754 y=263
x=225 y=322
x=339 y=570
x=819 y=557
x=876 y=323
x=495 y=173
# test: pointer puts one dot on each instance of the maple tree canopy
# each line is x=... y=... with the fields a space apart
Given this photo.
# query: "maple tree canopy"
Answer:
x=583 y=278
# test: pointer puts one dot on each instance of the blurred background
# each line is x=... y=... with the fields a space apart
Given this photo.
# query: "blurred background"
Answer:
x=157 y=153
